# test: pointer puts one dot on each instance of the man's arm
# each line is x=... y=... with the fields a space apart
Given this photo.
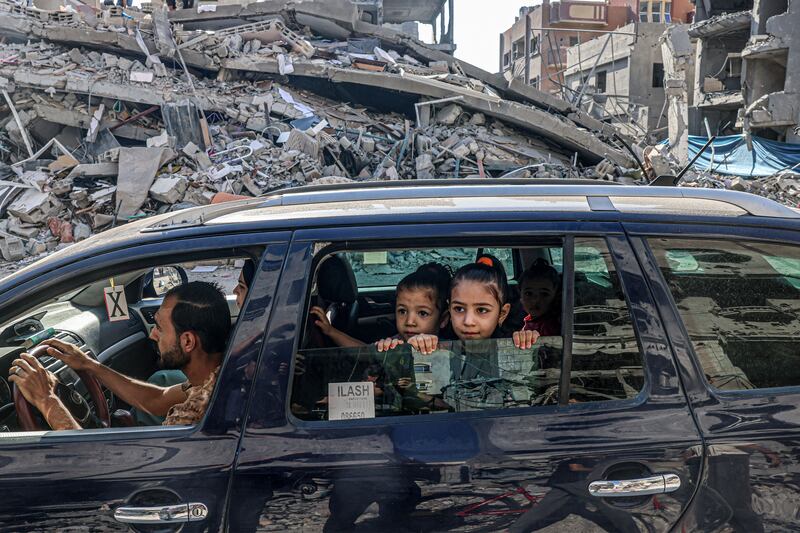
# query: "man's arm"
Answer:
x=145 y=396
x=38 y=386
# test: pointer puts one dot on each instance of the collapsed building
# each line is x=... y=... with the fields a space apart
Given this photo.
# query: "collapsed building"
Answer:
x=747 y=55
x=111 y=115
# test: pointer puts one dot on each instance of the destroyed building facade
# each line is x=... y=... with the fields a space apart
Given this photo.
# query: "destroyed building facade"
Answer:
x=619 y=77
x=534 y=48
x=747 y=55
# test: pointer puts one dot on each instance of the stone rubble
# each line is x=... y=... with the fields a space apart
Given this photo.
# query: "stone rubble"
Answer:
x=105 y=123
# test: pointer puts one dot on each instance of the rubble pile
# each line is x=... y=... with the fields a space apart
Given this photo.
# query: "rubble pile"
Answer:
x=143 y=116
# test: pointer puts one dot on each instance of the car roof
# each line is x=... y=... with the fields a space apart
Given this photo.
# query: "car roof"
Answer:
x=469 y=196
x=418 y=201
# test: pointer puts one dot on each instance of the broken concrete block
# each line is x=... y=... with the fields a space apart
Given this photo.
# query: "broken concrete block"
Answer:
x=198 y=196
x=26 y=231
x=424 y=164
x=142 y=76
x=448 y=115
x=285 y=65
x=159 y=140
x=35 y=248
x=738 y=184
x=160 y=70
x=101 y=220
x=461 y=151
x=137 y=170
x=79 y=198
x=439 y=66
x=81 y=231
x=477 y=119
x=34 y=207
x=11 y=248
x=712 y=85
x=76 y=56
x=303 y=142
x=110 y=61
x=124 y=63
x=257 y=124
x=169 y=190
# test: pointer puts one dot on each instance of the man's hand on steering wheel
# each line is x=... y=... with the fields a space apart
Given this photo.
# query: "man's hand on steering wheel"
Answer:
x=37 y=384
x=70 y=354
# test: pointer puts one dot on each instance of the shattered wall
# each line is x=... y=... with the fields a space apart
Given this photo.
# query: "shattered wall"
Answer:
x=747 y=58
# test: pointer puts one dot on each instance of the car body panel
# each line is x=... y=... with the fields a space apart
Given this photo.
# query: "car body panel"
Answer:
x=50 y=480
x=469 y=471
x=751 y=470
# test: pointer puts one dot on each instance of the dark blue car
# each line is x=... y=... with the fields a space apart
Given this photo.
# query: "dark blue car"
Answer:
x=663 y=396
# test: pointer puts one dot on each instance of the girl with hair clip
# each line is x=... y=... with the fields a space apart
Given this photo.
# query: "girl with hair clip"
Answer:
x=478 y=307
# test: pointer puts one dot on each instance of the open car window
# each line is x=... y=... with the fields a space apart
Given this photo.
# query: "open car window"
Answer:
x=337 y=382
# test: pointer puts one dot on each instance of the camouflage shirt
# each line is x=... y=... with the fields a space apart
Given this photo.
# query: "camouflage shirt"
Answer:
x=192 y=410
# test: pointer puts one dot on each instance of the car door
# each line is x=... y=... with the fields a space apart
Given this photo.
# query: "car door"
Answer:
x=616 y=464
x=143 y=477
x=730 y=298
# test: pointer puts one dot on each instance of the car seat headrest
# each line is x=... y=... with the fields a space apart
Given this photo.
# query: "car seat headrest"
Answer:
x=336 y=281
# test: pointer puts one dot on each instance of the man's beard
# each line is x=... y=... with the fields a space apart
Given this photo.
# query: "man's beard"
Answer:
x=174 y=358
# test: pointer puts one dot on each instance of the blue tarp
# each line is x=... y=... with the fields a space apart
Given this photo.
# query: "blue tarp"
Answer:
x=731 y=156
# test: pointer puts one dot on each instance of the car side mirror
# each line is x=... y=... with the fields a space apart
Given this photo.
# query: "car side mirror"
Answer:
x=160 y=280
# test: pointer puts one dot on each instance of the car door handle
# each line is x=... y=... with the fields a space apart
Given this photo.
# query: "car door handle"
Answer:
x=168 y=514
x=658 y=484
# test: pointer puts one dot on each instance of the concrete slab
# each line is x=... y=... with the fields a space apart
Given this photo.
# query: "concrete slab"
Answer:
x=547 y=125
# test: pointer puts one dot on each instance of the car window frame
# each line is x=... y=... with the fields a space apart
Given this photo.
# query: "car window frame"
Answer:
x=332 y=239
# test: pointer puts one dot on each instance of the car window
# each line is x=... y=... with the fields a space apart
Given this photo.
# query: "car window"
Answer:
x=336 y=381
x=739 y=302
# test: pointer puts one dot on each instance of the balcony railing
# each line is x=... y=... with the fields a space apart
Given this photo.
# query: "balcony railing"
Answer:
x=578 y=14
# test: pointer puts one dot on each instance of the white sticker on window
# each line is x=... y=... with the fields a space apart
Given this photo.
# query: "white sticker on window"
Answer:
x=116 y=304
x=349 y=401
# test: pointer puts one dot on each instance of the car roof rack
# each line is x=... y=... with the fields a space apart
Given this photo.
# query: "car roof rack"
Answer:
x=450 y=188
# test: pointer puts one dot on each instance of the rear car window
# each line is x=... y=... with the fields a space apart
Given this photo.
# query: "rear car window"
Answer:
x=740 y=303
x=342 y=375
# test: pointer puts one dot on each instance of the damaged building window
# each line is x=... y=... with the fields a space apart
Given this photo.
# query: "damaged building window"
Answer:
x=600 y=81
x=658 y=75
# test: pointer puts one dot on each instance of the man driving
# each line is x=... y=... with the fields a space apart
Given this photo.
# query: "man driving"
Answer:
x=191 y=331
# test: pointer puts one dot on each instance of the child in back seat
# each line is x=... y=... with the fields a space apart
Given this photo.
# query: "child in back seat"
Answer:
x=540 y=291
x=420 y=308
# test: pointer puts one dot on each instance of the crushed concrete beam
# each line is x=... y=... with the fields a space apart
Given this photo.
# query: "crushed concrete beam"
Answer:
x=77 y=119
x=723 y=100
x=721 y=25
x=547 y=125
x=137 y=172
x=76 y=83
x=86 y=36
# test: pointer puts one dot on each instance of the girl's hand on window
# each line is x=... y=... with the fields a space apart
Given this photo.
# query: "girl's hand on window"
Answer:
x=424 y=343
x=525 y=339
x=384 y=345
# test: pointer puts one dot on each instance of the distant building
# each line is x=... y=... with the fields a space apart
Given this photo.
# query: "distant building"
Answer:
x=620 y=77
x=556 y=26
x=405 y=14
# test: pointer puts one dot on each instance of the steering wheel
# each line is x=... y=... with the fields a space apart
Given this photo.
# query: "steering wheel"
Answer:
x=68 y=395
